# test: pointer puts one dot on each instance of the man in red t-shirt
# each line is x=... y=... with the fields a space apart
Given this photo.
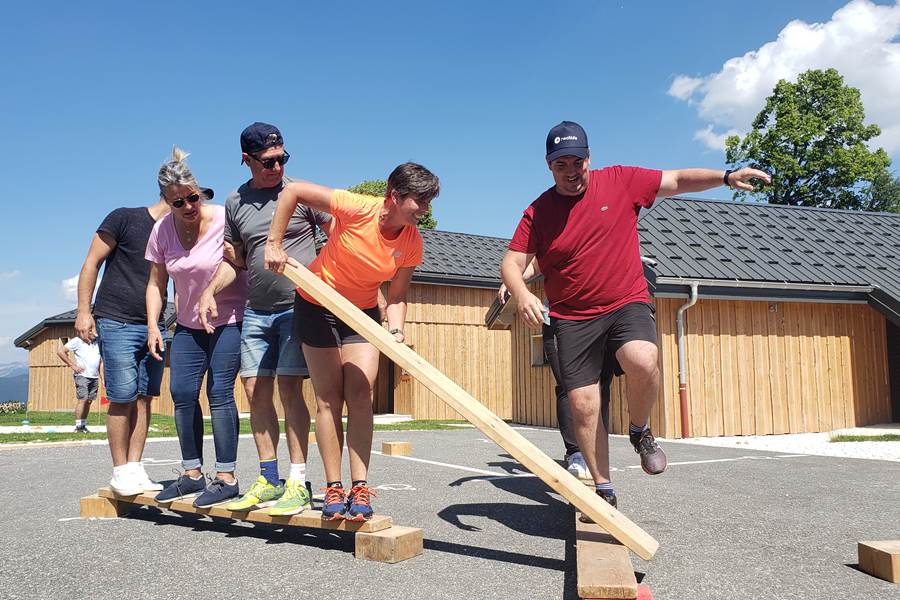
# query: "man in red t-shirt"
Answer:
x=583 y=232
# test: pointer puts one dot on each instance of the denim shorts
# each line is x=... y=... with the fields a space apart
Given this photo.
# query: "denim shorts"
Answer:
x=129 y=369
x=268 y=347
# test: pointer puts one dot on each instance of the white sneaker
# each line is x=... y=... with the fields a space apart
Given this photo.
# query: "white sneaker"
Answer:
x=147 y=484
x=578 y=467
x=126 y=483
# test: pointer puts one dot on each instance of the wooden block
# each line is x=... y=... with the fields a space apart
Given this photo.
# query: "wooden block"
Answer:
x=603 y=565
x=94 y=506
x=390 y=545
x=881 y=559
x=643 y=594
x=146 y=499
x=396 y=448
x=492 y=426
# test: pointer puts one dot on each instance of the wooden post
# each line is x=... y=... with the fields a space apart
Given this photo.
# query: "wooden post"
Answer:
x=476 y=413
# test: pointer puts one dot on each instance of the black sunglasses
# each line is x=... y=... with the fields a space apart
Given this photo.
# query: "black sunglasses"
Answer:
x=269 y=163
x=179 y=202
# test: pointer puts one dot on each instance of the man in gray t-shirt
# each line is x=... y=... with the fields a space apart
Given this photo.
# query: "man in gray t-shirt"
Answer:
x=268 y=348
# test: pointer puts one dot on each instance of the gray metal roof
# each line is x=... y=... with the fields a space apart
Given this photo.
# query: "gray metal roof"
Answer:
x=770 y=246
x=68 y=318
x=460 y=259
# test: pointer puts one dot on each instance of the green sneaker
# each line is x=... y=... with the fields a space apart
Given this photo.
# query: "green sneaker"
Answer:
x=295 y=499
x=261 y=494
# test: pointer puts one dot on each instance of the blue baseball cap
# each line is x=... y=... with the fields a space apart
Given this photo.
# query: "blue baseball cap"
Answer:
x=567 y=139
x=259 y=136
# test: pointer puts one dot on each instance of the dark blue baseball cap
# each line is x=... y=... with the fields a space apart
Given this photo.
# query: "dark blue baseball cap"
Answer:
x=567 y=139
x=259 y=136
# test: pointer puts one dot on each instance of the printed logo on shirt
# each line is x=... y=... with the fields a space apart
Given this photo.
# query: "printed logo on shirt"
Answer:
x=397 y=254
x=603 y=208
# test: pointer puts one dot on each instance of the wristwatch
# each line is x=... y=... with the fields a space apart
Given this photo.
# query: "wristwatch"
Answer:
x=396 y=330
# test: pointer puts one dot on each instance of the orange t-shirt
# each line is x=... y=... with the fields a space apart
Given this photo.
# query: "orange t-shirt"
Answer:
x=357 y=259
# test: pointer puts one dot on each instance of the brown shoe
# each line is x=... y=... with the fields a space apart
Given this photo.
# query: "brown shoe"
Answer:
x=653 y=459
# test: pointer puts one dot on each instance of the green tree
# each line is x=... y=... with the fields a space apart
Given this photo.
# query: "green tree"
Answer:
x=811 y=138
x=884 y=193
x=378 y=187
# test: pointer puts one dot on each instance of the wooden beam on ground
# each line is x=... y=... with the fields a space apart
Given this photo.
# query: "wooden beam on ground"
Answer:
x=529 y=455
x=881 y=559
x=604 y=568
x=376 y=539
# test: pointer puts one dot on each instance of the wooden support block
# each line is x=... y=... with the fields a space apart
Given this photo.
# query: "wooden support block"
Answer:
x=95 y=506
x=390 y=545
x=881 y=559
x=396 y=448
x=529 y=455
x=603 y=565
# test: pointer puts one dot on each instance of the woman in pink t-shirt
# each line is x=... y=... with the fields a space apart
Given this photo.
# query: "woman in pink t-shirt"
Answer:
x=187 y=245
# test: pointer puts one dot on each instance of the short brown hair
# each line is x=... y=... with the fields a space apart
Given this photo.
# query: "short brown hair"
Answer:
x=414 y=179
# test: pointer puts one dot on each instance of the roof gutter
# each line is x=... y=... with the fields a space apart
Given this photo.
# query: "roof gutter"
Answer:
x=768 y=285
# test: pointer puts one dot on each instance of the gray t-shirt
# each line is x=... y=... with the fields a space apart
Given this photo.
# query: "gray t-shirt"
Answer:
x=248 y=215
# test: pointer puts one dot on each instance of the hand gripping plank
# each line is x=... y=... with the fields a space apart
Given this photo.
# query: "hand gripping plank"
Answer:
x=583 y=497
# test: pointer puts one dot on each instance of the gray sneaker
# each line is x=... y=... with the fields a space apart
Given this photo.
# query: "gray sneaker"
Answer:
x=653 y=459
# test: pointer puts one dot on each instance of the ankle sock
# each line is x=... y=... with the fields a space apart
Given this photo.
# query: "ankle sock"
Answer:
x=298 y=471
x=634 y=430
x=336 y=484
x=605 y=488
x=357 y=482
x=269 y=470
x=80 y=422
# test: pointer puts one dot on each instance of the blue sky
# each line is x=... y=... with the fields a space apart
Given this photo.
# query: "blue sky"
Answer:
x=95 y=95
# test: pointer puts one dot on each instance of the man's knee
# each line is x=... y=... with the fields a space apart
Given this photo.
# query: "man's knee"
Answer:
x=639 y=359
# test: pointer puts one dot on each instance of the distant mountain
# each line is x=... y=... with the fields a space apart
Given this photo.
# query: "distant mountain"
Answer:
x=13 y=382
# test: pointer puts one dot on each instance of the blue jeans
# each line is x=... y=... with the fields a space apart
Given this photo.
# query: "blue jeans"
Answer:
x=194 y=354
x=129 y=369
x=268 y=346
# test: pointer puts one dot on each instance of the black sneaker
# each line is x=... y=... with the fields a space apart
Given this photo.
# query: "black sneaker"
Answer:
x=217 y=491
x=609 y=496
x=82 y=429
x=653 y=459
x=181 y=487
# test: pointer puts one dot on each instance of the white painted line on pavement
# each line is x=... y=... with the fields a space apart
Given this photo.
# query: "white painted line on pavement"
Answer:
x=451 y=466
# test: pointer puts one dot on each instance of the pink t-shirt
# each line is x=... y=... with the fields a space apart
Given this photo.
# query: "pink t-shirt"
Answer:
x=192 y=270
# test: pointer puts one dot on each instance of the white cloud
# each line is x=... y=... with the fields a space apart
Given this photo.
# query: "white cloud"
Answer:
x=70 y=289
x=858 y=41
x=6 y=275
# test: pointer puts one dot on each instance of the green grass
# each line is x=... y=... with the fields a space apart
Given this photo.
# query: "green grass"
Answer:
x=885 y=437
x=160 y=426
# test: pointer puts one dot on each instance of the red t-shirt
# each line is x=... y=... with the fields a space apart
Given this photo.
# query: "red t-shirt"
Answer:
x=587 y=246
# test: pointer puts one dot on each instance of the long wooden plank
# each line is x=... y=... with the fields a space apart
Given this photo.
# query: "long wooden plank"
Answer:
x=531 y=457
x=308 y=518
x=604 y=568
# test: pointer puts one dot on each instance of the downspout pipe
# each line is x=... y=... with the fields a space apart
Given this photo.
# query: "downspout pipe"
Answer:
x=682 y=371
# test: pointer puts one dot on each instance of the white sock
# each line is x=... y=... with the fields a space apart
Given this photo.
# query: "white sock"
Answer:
x=298 y=471
x=79 y=422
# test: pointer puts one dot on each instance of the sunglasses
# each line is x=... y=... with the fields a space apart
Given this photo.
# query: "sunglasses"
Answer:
x=179 y=202
x=269 y=163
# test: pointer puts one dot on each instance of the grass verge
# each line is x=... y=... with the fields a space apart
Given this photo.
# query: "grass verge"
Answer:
x=885 y=437
x=160 y=426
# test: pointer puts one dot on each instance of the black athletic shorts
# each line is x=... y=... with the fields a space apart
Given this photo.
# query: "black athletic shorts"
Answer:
x=582 y=345
x=318 y=327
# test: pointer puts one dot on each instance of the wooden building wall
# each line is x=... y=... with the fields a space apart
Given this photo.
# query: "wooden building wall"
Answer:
x=445 y=325
x=754 y=367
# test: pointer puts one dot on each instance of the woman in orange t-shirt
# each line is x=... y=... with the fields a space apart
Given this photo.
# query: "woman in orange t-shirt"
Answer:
x=372 y=240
